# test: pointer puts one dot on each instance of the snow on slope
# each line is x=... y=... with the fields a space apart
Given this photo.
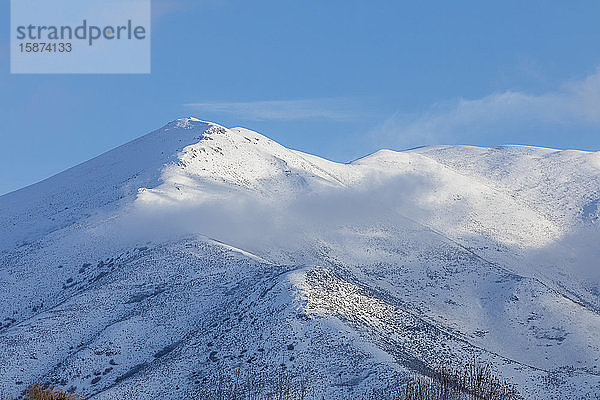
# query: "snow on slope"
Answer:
x=103 y=182
x=197 y=247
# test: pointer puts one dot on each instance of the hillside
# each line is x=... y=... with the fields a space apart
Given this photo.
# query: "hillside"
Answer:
x=198 y=248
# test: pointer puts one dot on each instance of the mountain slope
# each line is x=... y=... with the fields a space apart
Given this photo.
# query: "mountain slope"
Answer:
x=198 y=248
x=100 y=183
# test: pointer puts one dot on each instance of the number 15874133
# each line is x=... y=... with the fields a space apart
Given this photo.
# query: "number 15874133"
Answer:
x=45 y=47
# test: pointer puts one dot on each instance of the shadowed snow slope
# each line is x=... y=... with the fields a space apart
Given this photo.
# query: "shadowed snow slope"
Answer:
x=198 y=248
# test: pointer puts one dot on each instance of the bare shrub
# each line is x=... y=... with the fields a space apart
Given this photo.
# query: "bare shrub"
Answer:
x=39 y=392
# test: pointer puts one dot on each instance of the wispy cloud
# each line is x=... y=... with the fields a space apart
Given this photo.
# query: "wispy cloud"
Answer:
x=283 y=110
x=574 y=103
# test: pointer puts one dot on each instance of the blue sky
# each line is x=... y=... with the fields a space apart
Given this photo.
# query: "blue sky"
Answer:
x=334 y=78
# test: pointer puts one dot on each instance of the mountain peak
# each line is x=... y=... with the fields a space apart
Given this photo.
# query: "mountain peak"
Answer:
x=188 y=123
x=394 y=263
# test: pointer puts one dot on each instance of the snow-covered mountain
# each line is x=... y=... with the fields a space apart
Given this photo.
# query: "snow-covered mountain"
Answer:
x=198 y=248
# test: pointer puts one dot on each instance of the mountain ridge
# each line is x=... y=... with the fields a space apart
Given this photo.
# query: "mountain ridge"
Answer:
x=190 y=249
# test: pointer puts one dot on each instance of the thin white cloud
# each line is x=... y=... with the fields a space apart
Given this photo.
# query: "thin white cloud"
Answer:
x=574 y=103
x=283 y=110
